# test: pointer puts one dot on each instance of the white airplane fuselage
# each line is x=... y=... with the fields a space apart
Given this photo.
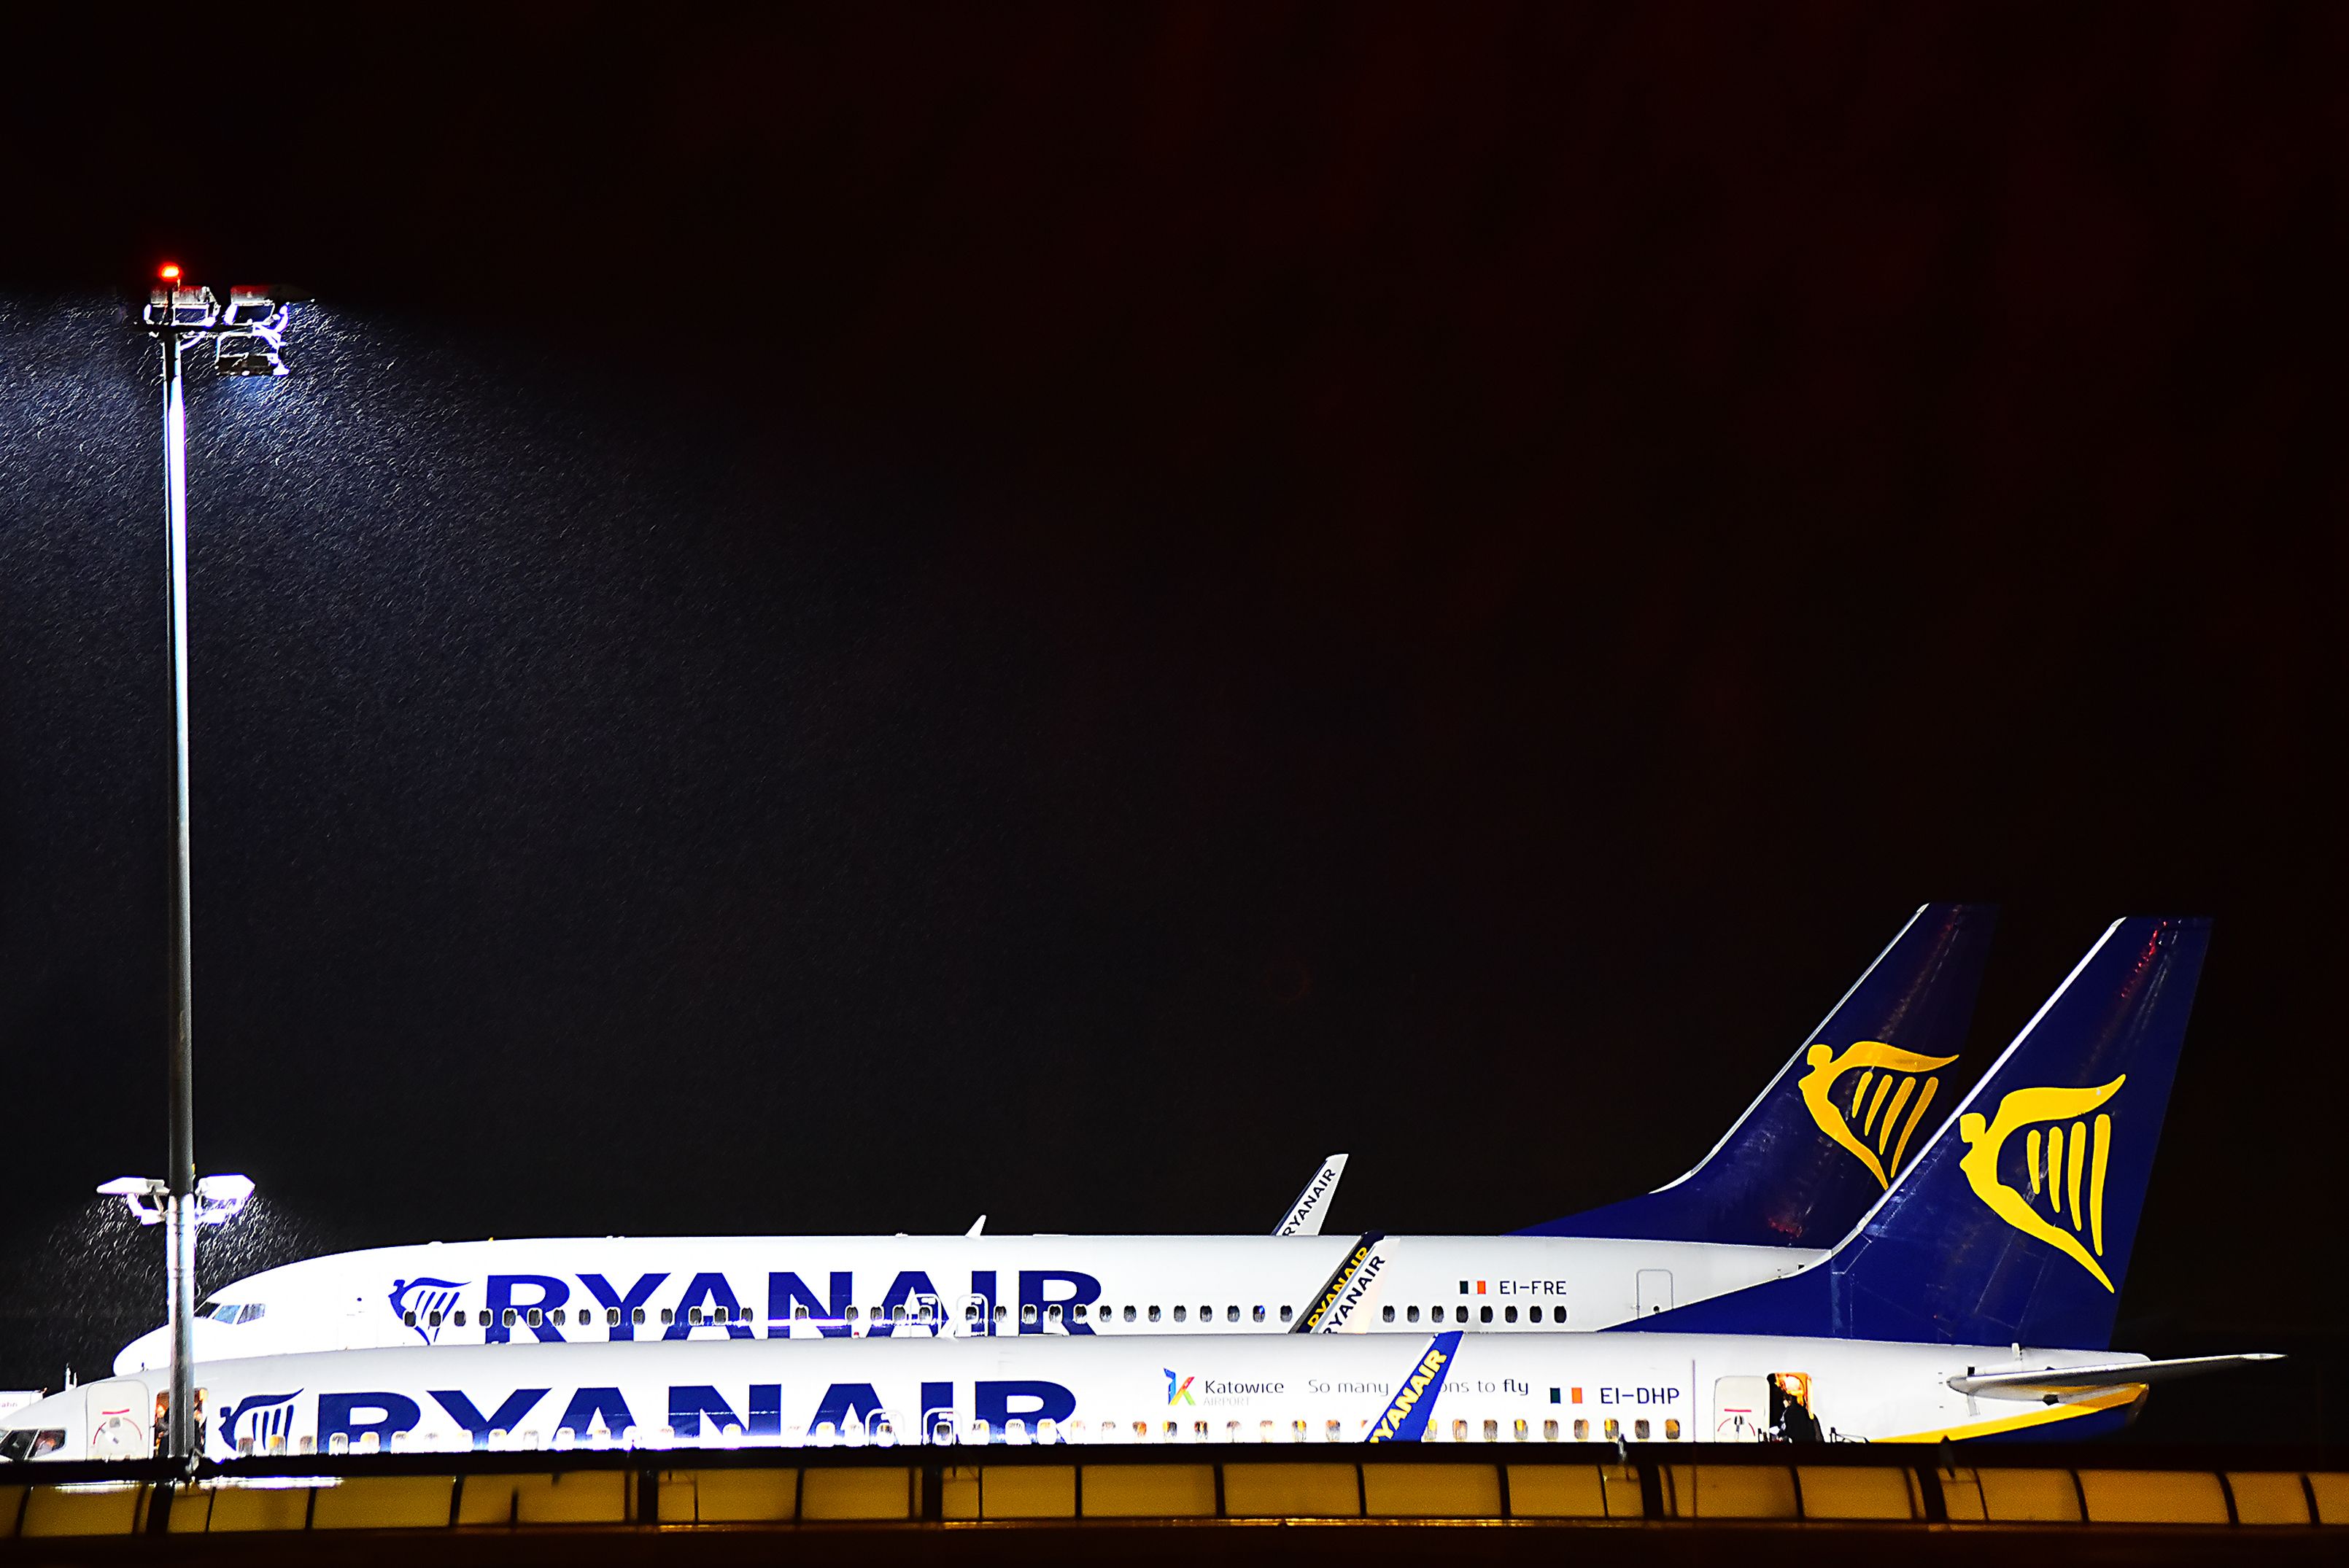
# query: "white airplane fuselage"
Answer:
x=685 y=1288
x=1451 y=1386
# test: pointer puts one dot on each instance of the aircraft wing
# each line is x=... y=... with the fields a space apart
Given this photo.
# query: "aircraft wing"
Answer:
x=2055 y=1382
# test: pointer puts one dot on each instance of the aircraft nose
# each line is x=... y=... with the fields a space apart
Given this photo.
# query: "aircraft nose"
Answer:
x=151 y=1350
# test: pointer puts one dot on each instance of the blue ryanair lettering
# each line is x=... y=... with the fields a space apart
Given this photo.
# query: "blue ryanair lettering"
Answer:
x=589 y=1404
x=1084 y=1291
x=466 y=1414
x=937 y=1403
x=844 y=1403
x=909 y=1283
x=1041 y=1401
x=626 y=1305
x=388 y=1415
x=787 y=1291
x=552 y=1293
x=690 y=1402
x=711 y=1290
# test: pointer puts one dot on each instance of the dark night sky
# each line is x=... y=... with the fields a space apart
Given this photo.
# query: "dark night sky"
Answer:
x=1057 y=611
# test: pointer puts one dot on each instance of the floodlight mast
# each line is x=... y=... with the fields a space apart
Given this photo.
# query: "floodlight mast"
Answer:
x=177 y=311
x=180 y=1169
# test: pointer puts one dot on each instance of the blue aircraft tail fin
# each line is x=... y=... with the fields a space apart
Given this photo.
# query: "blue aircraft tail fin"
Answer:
x=2016 y=1224
x=1831 y=1131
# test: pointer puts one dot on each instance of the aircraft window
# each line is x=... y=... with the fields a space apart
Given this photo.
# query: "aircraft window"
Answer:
x=693 y=1316
x=1492 y=1432
x=1258 y=1313
x=1052 y=1313
x=1549 y=1431
x=461 y=1317
x=1002 y=1311
x=1460 y=1431
x=1231 y=1314
x=1386 y=1314
x=536 y=1318
x=669 y=1314
x=851 y=1313
x=1207 y=1314
x=1285 y=1313
x=1581 y=1431
x=1508 y=1314
x=432 y=1318
x=899 y=1316
x=408 y=1318
x=1460 y=1314
x=1078 y=1312
x=1154 y=1314
x=1520 y=1429
x=612 y=1316
x=637 y=1315
x=508 y=1316
x=1614 y=1431
x=556 y=1316
x=1411 y=1314
x=1533 y=1315
x=1178 y=1314
x=1483 y=1314
x=1639 y=1428
x=1028 y=1312
x=799 y=1311
x=1129 y=1315
x=970 y=1313
x=1671 y=1429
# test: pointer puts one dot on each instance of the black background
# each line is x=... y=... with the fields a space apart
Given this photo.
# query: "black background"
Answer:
x=888 y=613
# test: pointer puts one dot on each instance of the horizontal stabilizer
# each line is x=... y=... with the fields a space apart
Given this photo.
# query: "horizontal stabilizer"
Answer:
x=2055 y=1382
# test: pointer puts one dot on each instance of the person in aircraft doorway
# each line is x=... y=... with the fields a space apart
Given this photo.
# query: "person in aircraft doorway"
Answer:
x=1791 y=1420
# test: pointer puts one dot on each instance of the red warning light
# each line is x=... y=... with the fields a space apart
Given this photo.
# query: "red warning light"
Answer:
x=168 y=272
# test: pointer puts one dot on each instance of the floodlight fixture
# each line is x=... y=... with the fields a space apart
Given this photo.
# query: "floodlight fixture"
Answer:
x=252 y=337
x=219 y=1199
x=142 y=1194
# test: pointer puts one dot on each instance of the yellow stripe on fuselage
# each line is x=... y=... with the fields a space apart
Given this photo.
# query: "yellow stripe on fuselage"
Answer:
x=2043 y=1415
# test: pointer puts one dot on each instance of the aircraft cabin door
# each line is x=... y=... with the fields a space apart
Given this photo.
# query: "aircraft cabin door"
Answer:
x=1653 y=1291
x=1741 y=1409
x=119 y=1419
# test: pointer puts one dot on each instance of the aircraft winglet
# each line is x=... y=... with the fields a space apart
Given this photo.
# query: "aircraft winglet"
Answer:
x=1304 y=1216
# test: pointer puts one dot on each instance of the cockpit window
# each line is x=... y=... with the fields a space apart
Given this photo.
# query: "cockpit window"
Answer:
x=30 y=1443
x=231 y=1311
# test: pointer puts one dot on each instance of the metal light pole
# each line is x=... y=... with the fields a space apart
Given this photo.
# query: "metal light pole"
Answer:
x=252 y=329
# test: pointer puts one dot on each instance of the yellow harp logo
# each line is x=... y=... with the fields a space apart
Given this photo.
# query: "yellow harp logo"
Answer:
x=1886 y=1072
x=2071 y=1179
